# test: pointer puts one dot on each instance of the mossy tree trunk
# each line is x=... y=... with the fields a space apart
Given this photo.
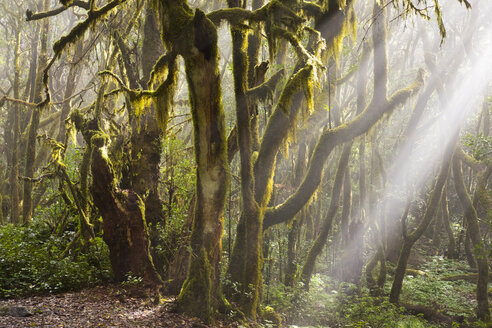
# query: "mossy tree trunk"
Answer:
x=193 y=36
x=295 y=227
x=125 y=229
x=248 y=271
x=476 y=239
x=320 y=241
x=14 y=146
x=451 y=252
x=279 y=124
x=27 y=206
x=146 y=133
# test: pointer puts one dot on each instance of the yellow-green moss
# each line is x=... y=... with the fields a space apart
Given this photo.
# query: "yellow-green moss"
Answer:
x=269 y=316
x=195 y=297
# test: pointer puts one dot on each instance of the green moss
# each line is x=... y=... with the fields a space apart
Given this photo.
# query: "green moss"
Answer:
x=299 y=80
x=77 y=119
x=269 y=316
x=99 y=139
x=195 y=297
x=160 y=69
x=78 y=31
x=348 y=29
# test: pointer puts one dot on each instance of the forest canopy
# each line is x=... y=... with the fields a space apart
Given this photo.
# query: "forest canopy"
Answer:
x=266 y=163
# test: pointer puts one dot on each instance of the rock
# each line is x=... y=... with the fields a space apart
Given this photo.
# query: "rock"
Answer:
x=19 y=311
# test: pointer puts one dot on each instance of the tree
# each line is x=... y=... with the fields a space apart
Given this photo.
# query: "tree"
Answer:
x=313 y=112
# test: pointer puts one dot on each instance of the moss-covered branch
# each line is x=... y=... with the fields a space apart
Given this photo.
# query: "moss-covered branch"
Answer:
x=301 y=52
x=327 y=142
x=78 y=31
x=75 y=34
x=266 y=89
x=283 y=117
x=469 y=160
x=16 y=101
x=30 y=16
x=236 y=15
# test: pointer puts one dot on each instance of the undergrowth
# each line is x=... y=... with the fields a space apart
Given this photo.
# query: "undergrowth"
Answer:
x=329 y=303
x=31 y=263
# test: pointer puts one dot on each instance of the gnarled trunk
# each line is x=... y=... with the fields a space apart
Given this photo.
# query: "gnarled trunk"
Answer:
x=125 y=230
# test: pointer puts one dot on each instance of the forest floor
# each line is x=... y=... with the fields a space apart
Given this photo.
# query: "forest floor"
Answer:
x=109 y=306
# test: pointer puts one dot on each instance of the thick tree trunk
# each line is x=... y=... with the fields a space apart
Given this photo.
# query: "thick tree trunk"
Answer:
x=294 y=230
x=248 y=276
x=194 y=37
x=125 y=230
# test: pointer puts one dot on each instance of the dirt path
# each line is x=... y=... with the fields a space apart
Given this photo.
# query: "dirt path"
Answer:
x=111 y=306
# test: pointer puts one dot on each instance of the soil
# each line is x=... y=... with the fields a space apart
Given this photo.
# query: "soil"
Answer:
x=108 y=306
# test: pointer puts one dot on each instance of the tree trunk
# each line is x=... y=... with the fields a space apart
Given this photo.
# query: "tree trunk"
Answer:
x=430 y=211
x=320 y=241
x=476 y=239
x=452 y=254
x=194 y=36
x=27 y=208
x=293 y=237
x=125 y=230
x=14 y=173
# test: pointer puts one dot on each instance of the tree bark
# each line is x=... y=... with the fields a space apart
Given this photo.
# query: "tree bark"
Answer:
x=27 y=207
x=125 y=230
x=320 y=241
x=447 y=225
x=194 y=37
x=14 y=171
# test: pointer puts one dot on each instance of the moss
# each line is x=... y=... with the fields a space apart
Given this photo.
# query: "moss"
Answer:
x=77 y=119
x=163 y=95
x=297 y=81
x=160 y=69
x=99 y=139
x=346 y=17
x=78 y=31
x=270 y=317
x=66 y=3
x=195 y=297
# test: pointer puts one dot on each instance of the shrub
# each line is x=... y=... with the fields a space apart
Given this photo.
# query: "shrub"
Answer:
x=30 y=263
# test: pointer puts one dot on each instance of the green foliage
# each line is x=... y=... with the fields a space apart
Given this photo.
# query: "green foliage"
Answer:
x=313 y=307
x=373 y=312
x=132 y=280
x=450 y=297
x=30 y=263
x=178 y=176
x=479 y=146
x=326 y=305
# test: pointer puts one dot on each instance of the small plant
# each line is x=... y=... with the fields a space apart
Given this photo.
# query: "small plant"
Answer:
x=131 y=280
